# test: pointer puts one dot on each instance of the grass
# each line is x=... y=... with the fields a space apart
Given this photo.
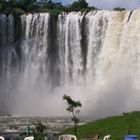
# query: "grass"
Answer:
x=116 y=126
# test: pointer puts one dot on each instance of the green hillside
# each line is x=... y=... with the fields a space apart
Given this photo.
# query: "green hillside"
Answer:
x=117 y=127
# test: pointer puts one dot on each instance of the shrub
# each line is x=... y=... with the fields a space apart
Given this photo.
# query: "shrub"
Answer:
x=38 y=131
x=119 y=9
x=18 y=11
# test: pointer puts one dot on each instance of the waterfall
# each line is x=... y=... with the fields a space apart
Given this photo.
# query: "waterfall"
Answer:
x=72 y=52
x=8 y=61
x=97 y=28
x=93 y=57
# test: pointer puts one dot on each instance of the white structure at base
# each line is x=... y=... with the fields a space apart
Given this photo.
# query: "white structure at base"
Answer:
x=67 y=137
x=29 y=138
x=2 y=138
x=107 y=137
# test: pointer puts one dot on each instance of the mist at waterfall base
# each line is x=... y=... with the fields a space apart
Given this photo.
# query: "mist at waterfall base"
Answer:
x=93 y=57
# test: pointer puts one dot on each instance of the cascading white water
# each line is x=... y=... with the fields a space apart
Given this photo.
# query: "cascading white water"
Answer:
x=97 y=28
x=69 y=37
x=8 y=58
x=34 y=48
x=92 y=57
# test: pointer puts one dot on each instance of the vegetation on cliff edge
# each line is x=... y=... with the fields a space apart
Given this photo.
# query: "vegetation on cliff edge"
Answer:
x=19 y=7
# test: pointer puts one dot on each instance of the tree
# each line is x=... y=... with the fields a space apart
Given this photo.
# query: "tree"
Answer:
x=119 y=9
x=49 y=5
x=1 y=8
x=27 y=5
x=3 y=4
x=72 y=105
x=12 y=3
x=80 y=4
x=38 y=131
x=83 y=3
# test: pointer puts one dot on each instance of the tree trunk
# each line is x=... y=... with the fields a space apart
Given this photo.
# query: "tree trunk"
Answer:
x=75 y=128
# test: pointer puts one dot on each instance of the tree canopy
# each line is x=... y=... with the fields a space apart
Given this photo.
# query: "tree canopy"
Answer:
x=20 y=7
x=32 y=6
x=72 y=106
x=80 y=4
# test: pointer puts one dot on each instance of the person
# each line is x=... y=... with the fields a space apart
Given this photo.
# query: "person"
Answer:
x=28 y=130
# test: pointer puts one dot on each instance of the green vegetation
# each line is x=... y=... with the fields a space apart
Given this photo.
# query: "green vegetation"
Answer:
x=19 y=7
x=72 y=106
x=119 y=9
x=80 y=4
x=117 y=127
x=38 y=131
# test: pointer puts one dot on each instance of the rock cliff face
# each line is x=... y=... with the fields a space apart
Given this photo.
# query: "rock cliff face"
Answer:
x=93 y=57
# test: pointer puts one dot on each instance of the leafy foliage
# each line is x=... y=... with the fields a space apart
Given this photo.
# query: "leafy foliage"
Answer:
x=20 y=7
x=80 y=4
x=39 y=127
x=119 y=9
x=38 y=131
x=72 y=105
